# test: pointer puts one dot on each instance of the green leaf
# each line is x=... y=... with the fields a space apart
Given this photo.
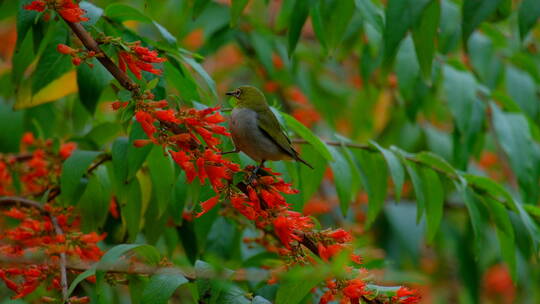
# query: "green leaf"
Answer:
x=136 y=156
x=202 y=72
x=477 y=216
x=371 y=13
x=237 y=7
x=529 y=12
x=424 y=36
x=343 y=179
x=341 y=12
x=52 y=64
x=418 y=185
x=434 y=195
x=198 y=7
x=306 y=134
x=310 y=179
x=81 y=277
x=401 y=15
x=296 y=23
x=436 y=162
x=73 y=170
x=500 y=217
x=394 y=167
x=507 y=246
x=25 y=20
x=132 y=208
x=522 y=88
x=91 y=82
x=122 y=12
x=94 y=203
x=292 y=291
x=163 y=178
x=374 y=178
x=475 y=12
x=512 y=133
x=162 y=286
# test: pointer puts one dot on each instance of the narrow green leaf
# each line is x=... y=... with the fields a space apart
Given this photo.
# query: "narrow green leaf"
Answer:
x=425 y=36
x=91 y=82
x=529 y=12
x=436 y=162
x=73 y=170
x=434 y=195
x=81 y=277
x=199 y=7
x=306 y=134
x=162 y=175
x=293 y=291
x=416 y=179
x=237 y=7
x=523 y=90
x=131 y=208
x=374 y=178
x=310 y=179
x=94 y=202
x=341 y=12
x=507 y=246
x=342 y=177
x=296 y=23
x=500 y=217
x=394 y=167
x=401 y=15
x=136 y=156
x=474 y=206
x=475 y=12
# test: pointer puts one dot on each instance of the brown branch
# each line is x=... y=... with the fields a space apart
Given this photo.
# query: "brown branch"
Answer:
x=91 y=44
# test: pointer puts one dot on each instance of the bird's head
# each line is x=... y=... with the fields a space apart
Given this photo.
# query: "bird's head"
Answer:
x=248 y=97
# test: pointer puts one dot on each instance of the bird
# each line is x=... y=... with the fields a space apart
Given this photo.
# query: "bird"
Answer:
x=256 y=131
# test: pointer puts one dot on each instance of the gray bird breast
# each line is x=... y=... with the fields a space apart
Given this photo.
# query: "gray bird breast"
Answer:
x=249 y=139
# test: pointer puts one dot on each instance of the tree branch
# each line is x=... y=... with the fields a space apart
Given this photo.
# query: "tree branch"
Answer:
x=91 y=44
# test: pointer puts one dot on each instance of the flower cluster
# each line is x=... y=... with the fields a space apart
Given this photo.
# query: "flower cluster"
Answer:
x=138 y=59
x=181 y=133
x=35 y=232
x=36 y=168
x=68 y=9
x=78 y=56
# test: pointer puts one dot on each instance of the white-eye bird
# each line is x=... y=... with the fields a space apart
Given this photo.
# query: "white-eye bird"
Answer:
x=256 y=131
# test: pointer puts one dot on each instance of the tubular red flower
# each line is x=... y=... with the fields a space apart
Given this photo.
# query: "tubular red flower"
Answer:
x=208 y=205
x=64 y=49
x=71 y=11
x=66 y=149
x=340 y=235
x=355 y=289
x=37 y=5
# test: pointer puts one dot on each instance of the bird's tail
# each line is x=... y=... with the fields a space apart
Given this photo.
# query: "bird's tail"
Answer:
x=297 y=157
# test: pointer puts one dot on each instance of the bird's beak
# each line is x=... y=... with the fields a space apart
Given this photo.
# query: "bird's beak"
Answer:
x=234 y=93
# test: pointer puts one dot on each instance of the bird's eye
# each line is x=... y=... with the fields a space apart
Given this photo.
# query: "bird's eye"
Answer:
x=237 y=93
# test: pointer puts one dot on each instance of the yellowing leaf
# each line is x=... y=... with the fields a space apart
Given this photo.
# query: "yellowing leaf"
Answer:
x=61 y=87
x=381 y=110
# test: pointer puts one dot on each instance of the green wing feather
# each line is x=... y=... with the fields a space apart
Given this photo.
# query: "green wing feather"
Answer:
x=268 y=123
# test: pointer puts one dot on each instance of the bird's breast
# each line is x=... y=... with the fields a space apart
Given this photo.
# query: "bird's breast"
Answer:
x=249 y=138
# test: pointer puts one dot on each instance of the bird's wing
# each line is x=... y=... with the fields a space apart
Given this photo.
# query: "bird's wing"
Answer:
x=267 y=122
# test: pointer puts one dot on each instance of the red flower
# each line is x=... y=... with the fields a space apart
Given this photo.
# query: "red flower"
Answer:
x=405 y=295
x=167 y=116
x=184 y=161
x=139 y=59
x=147 y=122
x=28 y=139
x=64 y=49
x=15 y=213
x=340 y=235
x=66 y=149
x=326 y=252
x=355 y=289
x=285 y=226
x=37 y=5
x=113 y=209
x=208 y=205
x=241 y=203
x=76 y=61
x=327 y=297
x=71 y=11
x=119 y=104
x=141 y=142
